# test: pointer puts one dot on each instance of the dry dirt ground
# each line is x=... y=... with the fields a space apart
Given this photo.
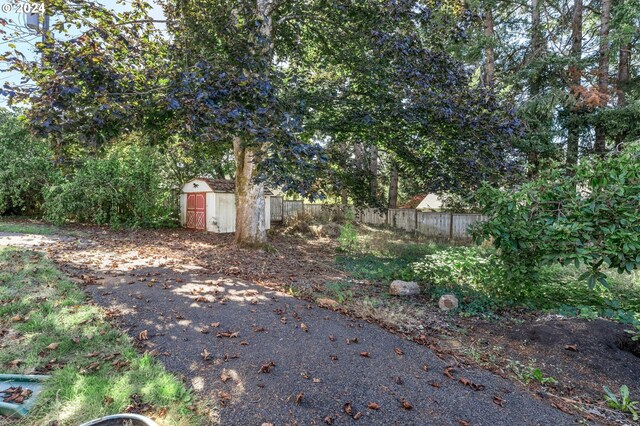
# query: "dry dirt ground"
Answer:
x=221 y=317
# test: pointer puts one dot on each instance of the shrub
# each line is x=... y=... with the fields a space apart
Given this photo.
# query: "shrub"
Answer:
x=459 y=265
x=585 y=216
x=123 y=188
x=25 y=167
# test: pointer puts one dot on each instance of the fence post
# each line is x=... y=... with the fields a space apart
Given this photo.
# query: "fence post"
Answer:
x=451 y=226
x=415 y=228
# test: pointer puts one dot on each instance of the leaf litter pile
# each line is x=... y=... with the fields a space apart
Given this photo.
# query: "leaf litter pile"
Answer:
x=15 y=394
x=290 y=260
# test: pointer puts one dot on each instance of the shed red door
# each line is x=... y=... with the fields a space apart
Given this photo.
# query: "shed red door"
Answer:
x=197 y=211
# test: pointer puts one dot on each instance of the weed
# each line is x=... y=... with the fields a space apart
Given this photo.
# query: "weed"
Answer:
x=635 y=332
x=340 y=291
x=621 y=402
x=348 y=239
x=529 y=373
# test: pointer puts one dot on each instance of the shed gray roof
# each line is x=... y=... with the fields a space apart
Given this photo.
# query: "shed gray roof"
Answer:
x=225 y=185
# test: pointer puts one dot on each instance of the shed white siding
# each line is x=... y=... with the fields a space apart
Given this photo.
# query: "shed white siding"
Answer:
x=183 y=209
x=226 y=218
x=211 y=211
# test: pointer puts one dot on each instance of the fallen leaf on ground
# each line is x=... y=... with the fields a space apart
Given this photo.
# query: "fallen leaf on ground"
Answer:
x=364 y=354
x=425 y=367
x=405 y=404
x=119 y=364
x=448 y=371
x=266 y=368
x=463 y=422
x=474 y=386
x=92 y=355
x=53 y=346
x=304 y=327
x=333 y=339
x=435 y=384
x=373 y=406
x=299 y=398
x=328 y=420
x=144 y=335
x=205 y=354
x=399 y=351
x=333 y=357
x=93 y=366
x=573 y=348
x=224 y=376
x=498 y=401
x=15 y=363
x=357 y=416
x=228 y=334
x=215 y=324
x=350 y=341
x=347 y=408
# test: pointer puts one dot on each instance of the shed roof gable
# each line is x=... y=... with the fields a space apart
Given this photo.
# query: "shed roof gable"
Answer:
x=218 y=185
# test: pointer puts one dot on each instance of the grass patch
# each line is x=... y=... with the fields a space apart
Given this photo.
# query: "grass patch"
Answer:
x=49 y=327
x=27 y=228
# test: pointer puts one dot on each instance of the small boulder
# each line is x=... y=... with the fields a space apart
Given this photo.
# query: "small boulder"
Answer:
x=328 y=303
x=448 y=302
x=404 y=288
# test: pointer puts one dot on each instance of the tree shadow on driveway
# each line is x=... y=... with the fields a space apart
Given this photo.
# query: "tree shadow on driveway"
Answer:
x=266 y=357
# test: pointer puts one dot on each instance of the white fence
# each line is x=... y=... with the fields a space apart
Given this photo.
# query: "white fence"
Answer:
x=453 y=226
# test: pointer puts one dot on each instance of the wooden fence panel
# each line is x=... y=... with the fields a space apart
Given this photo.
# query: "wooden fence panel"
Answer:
x=434 y=224
x=403 y=219
x=323 y=212
x=276 y=208
x=291 y=208
x=461 y=224
x=373 y=217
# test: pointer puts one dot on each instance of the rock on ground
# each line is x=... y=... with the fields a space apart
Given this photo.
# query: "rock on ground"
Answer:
x=404 y=288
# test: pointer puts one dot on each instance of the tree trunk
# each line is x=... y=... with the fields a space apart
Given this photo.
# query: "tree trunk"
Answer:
x=603 y=74
x=373 y=169
x=537 y=42
x=357 y=153
x=393 y=188
x=489 y=55
x=624 y=76
x=575 y=73
x=250 y=203
x=536 y=81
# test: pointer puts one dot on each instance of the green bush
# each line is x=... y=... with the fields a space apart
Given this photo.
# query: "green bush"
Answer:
x=585 y=216
x=26 y=167
x=125 y=187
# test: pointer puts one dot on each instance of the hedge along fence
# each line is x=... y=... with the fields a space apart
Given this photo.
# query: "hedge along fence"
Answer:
x=453 y=226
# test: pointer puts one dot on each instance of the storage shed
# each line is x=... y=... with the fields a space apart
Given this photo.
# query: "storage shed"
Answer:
x=210 y=205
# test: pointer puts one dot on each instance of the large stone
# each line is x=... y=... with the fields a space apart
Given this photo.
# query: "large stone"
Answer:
x=328 y=303
x=404 y=288
x=448 y=302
